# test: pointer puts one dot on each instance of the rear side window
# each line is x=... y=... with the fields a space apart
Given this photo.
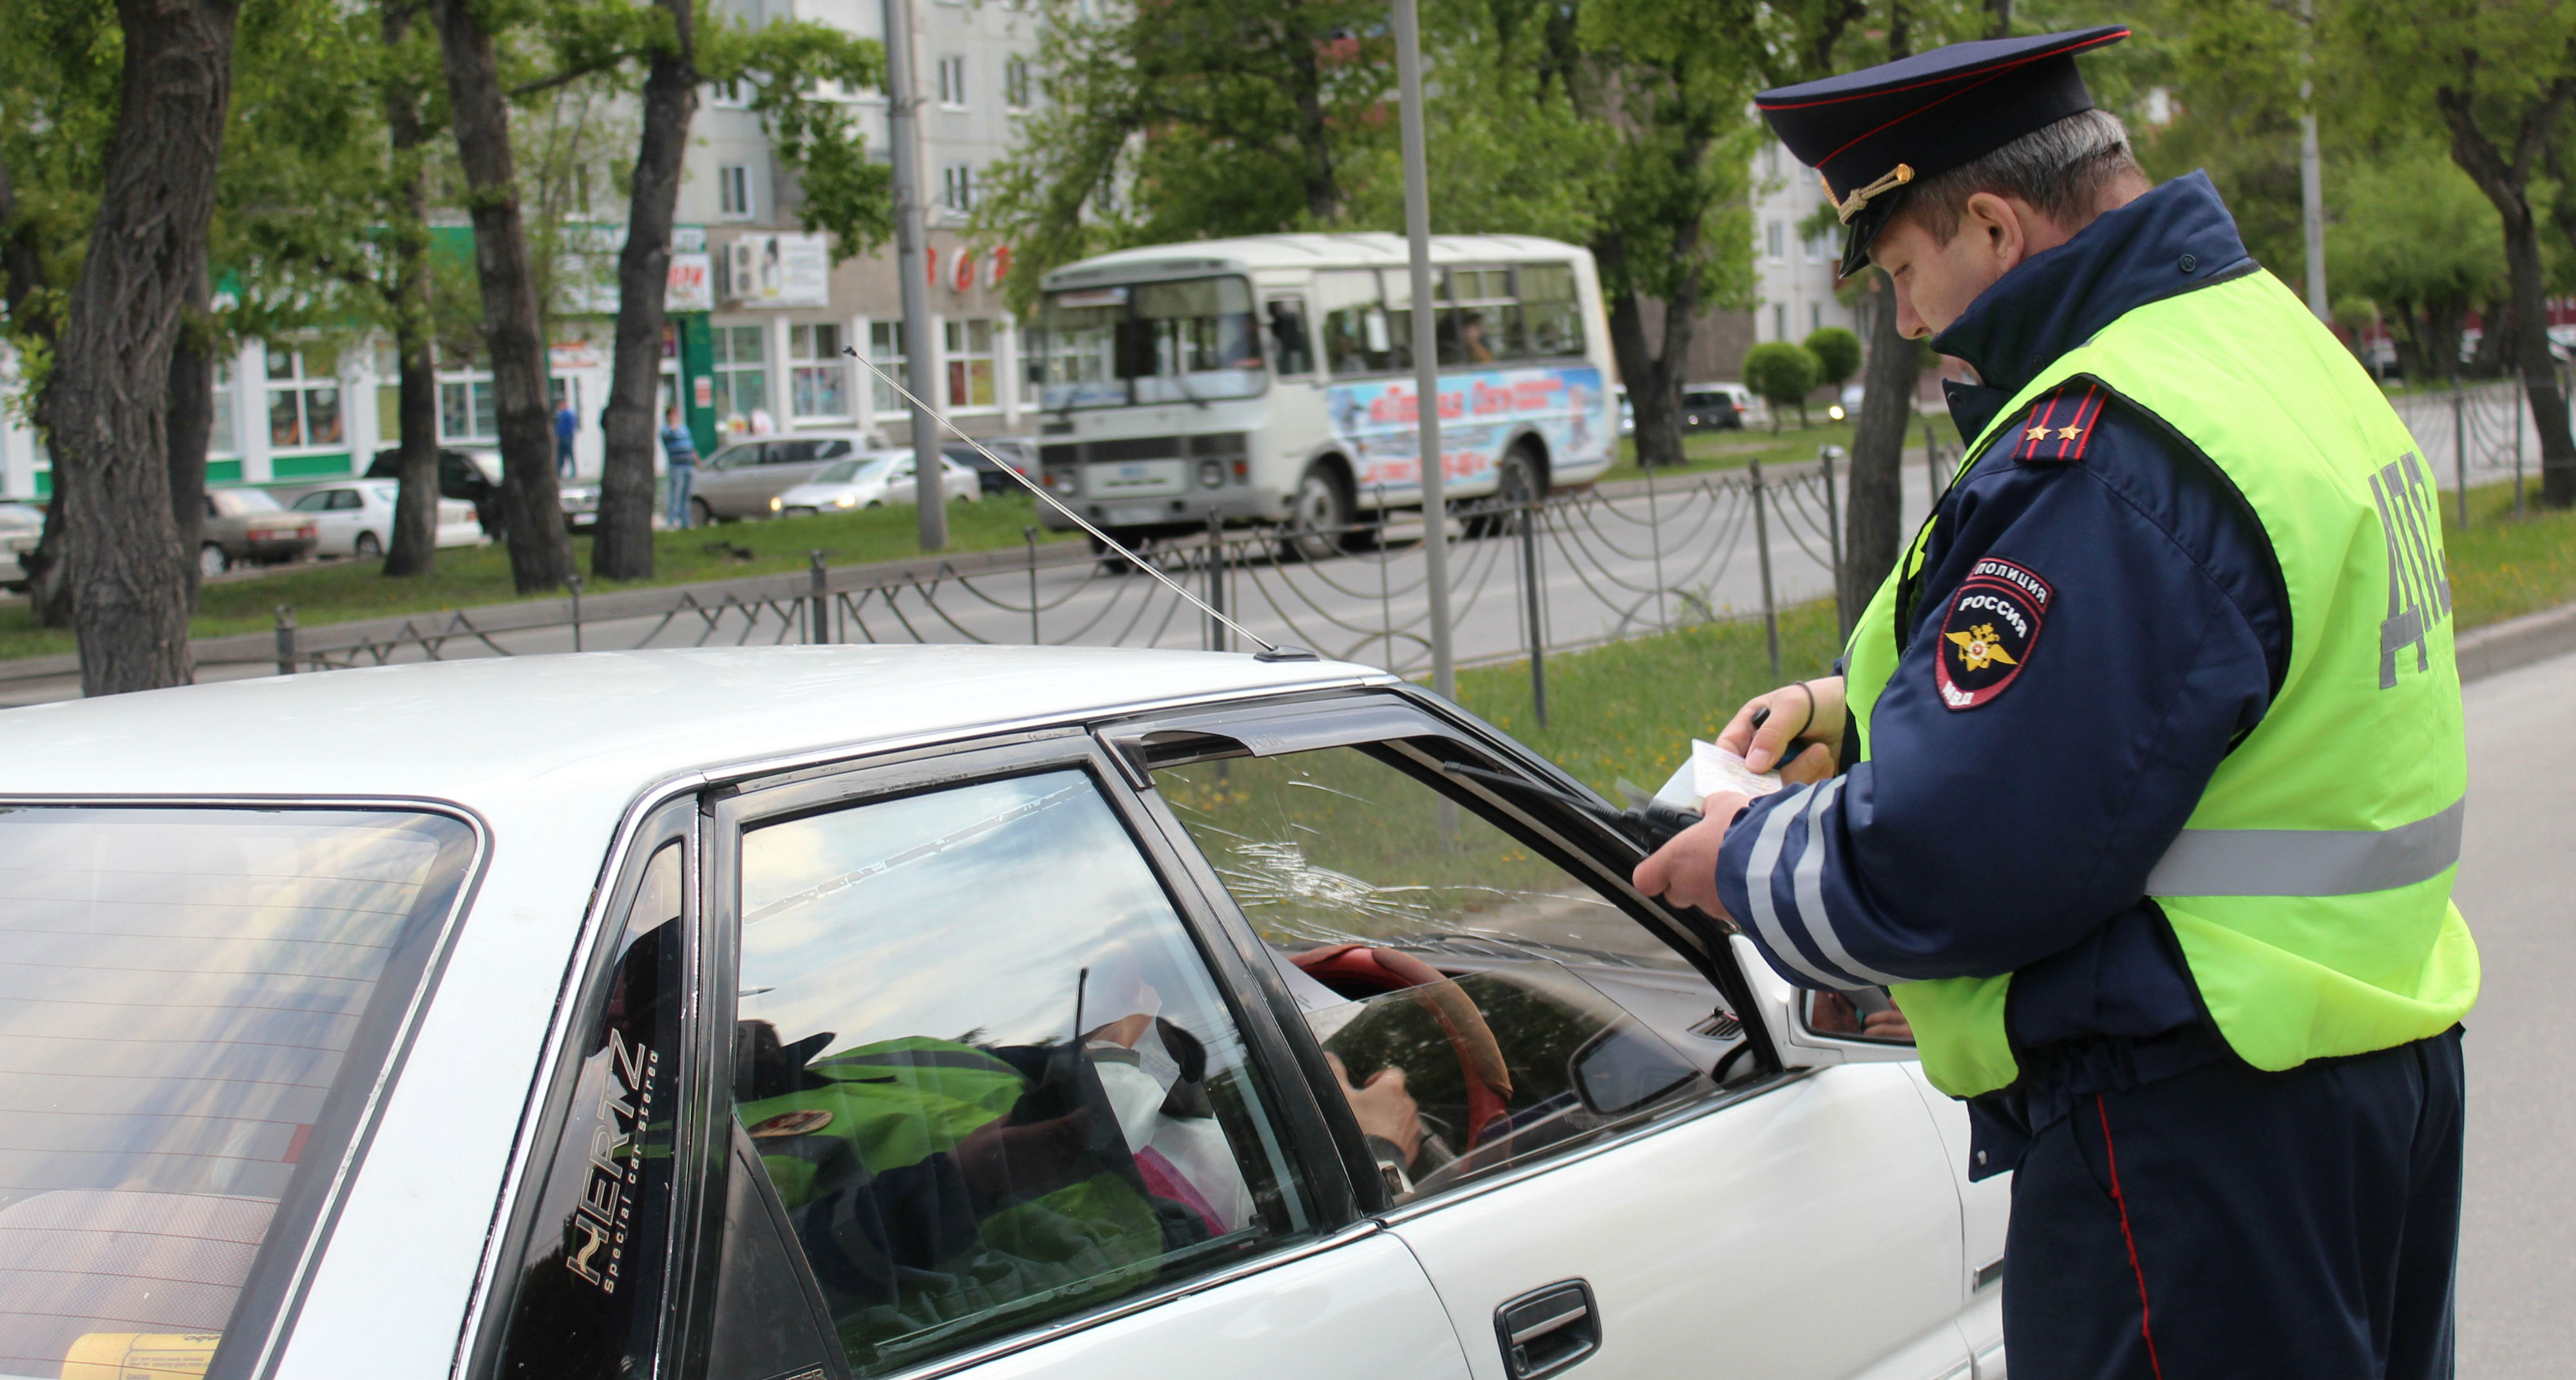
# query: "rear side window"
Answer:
x=195 y=1006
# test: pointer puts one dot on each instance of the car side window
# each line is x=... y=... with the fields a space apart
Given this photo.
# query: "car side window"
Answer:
x=989 y=1077
x=314 y=502
x=1516 y=1009
x=590 y=1279
x=789 y=453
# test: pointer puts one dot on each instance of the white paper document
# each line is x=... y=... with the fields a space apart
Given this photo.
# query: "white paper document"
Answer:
x=1712 y=769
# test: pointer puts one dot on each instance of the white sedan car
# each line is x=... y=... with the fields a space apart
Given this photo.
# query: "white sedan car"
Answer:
x=357 y=518
x=864 y=1011
x=872 y=480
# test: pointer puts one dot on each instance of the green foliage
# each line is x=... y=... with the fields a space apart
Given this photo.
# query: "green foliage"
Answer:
x=2417 y=239
x=794 y=67
x=1837 y=353
x=61 y=66
x=1782 y=374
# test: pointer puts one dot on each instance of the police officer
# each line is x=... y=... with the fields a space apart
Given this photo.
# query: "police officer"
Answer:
x=2139 y=787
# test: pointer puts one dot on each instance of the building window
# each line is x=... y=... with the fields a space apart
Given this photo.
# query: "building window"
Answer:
x=952 y=83
x=817 y=383
x=1815 y=316
x=733 y=191
x=465 y=407
x=303 y=398
x=223 y=440
x=1816 y=245
x=1779 y=321
x=957 y=188
x=742 y=375
x=727 y=95
x=1771 y=160
x=970 y=363
x=1775 y=240
x=1015 y=83
x=885 y=350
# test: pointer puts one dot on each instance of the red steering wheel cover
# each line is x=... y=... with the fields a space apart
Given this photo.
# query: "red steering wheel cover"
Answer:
x=1480 y=1056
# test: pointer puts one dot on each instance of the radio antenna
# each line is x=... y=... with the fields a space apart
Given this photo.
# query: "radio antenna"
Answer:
x=1270 y=651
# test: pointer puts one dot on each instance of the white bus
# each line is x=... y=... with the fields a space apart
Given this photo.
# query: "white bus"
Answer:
x=1270 y=379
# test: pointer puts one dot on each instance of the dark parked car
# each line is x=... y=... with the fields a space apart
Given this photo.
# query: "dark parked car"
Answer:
x=1711 y=409
x=475 y=476
x=1020 y=452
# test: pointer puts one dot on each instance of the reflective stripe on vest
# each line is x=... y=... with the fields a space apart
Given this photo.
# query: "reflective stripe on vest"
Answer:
x=2308 y=862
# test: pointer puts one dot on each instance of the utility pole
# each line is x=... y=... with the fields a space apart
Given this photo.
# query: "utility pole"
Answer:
x=2312 y=196
x=911 y=238
x=1426 y=350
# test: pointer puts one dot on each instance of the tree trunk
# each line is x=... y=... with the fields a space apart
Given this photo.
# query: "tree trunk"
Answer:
x=1873 y=513
x=622 y=549
x=531 y=495
x=1654 y=385
x=191 y=424
x=2506 y=183
x=413 y=551
x=111 y=386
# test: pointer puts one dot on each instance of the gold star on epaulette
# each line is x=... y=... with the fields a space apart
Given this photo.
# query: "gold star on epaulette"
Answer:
x=2037 y=433
x=2066 y=433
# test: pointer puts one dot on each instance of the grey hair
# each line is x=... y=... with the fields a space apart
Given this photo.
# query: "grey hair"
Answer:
x=2062 y=170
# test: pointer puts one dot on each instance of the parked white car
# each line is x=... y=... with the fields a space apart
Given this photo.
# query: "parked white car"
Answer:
x=873 y=480
x=21 y=526
x=357 y=518
x=871 y=1011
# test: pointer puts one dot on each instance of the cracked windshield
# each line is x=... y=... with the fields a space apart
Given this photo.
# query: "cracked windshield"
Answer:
x=1338 y=847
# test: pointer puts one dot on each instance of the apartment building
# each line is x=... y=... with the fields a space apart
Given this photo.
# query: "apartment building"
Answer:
x=759 y=311
x=1794 y=267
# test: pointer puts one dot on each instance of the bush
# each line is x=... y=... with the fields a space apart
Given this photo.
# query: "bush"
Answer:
x=1783 y=374
x=1837 y=353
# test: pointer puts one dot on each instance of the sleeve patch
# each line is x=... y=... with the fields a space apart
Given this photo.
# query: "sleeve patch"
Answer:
x=2060 y=425
x=1989 y=632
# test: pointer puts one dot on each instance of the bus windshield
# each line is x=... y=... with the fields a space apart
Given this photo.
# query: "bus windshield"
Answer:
x=1187 y=340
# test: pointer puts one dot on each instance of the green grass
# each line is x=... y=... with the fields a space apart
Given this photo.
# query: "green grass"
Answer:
x=2503 y=566
x=1631 y=708
x=467 y=577
x=1703 y=451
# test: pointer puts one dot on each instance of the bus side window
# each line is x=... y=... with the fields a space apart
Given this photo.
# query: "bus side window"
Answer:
x=1291 y=353
x=1355 y=338
x=1550 y=312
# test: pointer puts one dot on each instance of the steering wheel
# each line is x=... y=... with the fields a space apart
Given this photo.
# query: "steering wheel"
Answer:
x=1480 y=1056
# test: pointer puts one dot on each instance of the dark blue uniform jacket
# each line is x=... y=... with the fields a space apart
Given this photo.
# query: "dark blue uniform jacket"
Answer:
x=2012 y=829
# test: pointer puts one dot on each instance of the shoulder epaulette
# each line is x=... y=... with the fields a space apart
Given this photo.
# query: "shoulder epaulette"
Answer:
x=2060 y=425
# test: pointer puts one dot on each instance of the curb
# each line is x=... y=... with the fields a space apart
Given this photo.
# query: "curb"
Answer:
x=2516 y=642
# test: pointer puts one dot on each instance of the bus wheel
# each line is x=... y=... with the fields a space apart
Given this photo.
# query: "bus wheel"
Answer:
x=1316 y=516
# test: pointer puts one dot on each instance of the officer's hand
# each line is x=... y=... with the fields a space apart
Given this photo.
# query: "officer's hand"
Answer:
x=1810 y=709
x=1684 y=870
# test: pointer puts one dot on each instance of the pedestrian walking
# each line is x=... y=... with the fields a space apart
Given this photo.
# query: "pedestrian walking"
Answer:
x=680 y=458
x=567 y=426
x=2164 y=893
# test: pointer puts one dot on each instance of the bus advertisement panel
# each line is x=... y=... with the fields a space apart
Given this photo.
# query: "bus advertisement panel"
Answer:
x=1479 y=414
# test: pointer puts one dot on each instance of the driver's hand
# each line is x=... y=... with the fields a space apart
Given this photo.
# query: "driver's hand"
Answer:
x=1811 y=709
x=1684 y=871
x=1383 y=1108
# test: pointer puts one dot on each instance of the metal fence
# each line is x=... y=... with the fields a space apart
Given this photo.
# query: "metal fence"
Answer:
x=2478 y=434
x=1526 y=580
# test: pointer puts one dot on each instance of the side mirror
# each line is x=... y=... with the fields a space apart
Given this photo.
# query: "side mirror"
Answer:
x=1624 y=1067
x=1791 y=1015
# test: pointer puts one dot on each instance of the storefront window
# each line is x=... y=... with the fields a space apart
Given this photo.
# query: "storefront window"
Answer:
x=742 y=375
x=970 y=364
x=221 y=438
x=885 y=350
x=303 y=397
x=817 y=380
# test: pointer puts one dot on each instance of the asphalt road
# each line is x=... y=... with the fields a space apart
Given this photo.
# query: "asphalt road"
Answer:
x=2517 y=872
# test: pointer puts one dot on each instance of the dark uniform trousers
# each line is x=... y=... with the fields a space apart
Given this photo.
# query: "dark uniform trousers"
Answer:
x=2235 y=1223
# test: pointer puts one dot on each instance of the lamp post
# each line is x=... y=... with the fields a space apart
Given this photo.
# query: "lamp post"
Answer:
x=1426 y=362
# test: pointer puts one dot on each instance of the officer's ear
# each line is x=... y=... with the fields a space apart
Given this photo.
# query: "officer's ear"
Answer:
x=2000 y=227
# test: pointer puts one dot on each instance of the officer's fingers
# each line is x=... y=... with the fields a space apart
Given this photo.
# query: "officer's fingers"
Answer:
x=1653 y=874
x=1789 y=715
x=1738 y=733
x=1815 y=764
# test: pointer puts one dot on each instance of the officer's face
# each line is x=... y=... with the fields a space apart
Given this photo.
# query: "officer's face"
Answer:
x=1935 y=281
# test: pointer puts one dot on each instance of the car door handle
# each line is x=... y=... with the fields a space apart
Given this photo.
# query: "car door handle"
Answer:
x=1548 y=1331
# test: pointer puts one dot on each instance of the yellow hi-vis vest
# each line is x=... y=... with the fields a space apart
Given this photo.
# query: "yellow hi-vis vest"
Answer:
x=2311 y=887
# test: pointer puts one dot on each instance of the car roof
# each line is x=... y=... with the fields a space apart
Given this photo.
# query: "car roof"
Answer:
x=1372 y=249
x=543 y=736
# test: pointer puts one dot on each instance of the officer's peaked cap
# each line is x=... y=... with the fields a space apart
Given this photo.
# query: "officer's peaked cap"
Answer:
x=1872 y=132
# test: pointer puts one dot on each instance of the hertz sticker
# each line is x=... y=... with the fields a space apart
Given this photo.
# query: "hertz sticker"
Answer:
x=141 y=1355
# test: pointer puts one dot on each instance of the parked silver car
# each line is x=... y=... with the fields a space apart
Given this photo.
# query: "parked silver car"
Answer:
x=739 y=480
x=20 y=527
x=251 y=525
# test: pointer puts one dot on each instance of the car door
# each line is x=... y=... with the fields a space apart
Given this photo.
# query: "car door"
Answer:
x=726 y=481
x=1745 y=1219
x=989 y=1097
x=335 y=514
